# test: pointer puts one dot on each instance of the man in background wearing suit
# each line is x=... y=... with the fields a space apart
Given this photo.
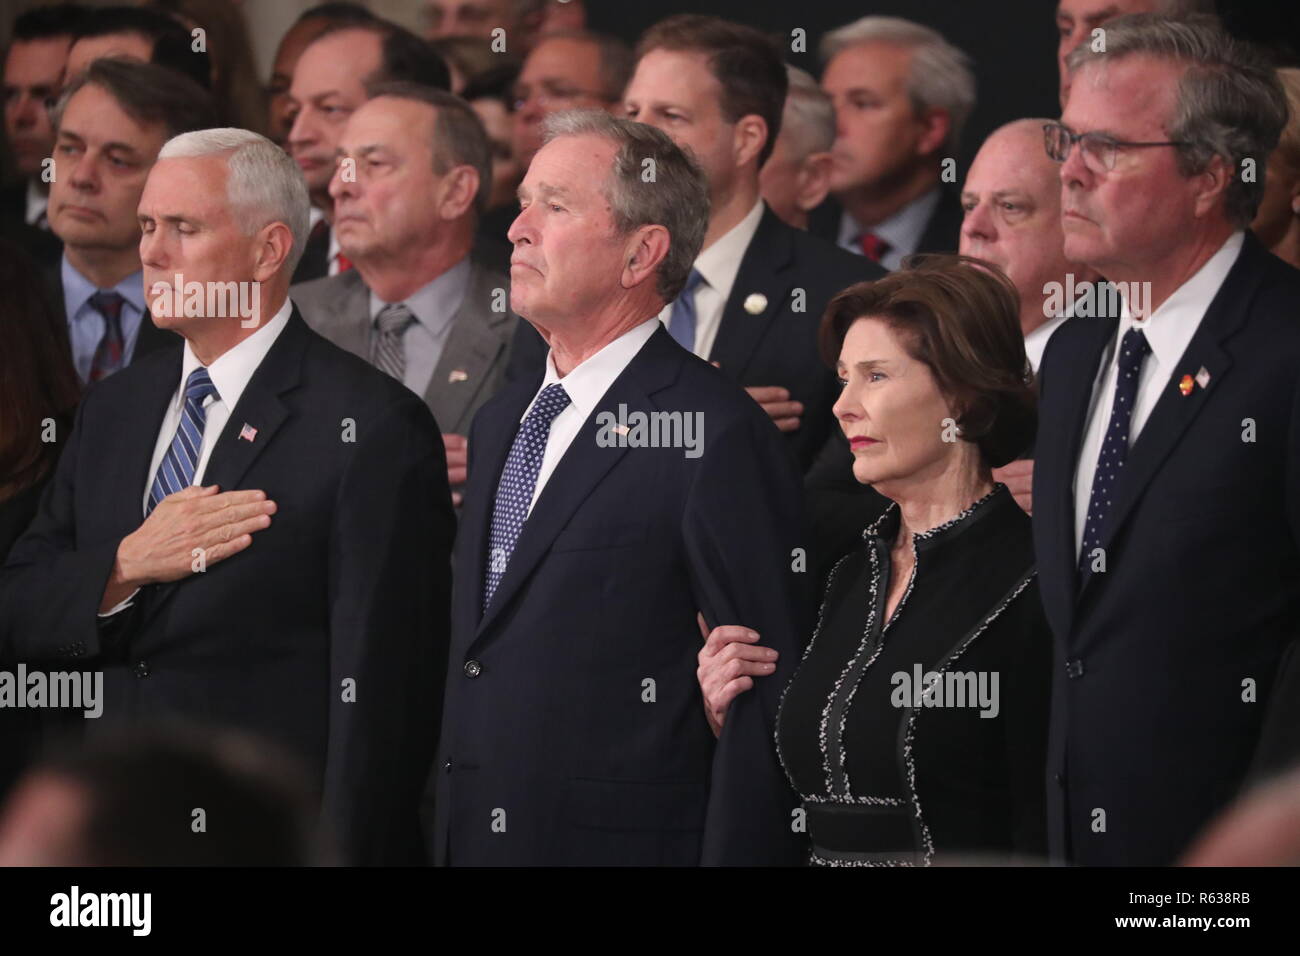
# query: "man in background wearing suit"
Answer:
x=573 y=731
x=1166 y=497
x=109 y=126
x=902 y=94
x=413 y=176
x=33 y=77
x=301 y=593
x=329 y=83
x=755 y=295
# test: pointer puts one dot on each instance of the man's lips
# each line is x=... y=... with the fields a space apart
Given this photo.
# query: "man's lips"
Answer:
x=83 y=211
x=1074 y=214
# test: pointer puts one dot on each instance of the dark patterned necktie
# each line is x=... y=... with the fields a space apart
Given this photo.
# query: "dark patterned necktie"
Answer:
x=518 y=479
x=1114 y=447
x=108 y=354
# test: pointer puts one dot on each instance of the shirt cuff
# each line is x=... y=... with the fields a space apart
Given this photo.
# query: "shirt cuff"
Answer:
x=120 y=606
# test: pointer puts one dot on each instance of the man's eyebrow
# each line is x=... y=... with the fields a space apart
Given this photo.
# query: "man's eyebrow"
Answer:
x=545 y=191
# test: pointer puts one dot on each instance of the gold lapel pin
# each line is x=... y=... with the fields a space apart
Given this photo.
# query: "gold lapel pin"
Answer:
x=458 y=375
x=755 y=303
x=1185 y=386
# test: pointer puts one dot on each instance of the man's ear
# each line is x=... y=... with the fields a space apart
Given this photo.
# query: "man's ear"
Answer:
x=937 y=124
x=750 y=138
x=275 y=242
x=646 y=248
x=1212 y=184
x=814 y=181
x=460 y=186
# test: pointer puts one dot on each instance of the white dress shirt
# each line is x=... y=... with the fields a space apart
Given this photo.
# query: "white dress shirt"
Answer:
x=1036 y=341
x=718 y=266
x=903 y=230
x=585 y=385
x=1168 y=331
x=230 y=374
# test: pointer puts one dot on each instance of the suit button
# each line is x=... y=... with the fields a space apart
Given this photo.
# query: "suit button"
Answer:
x=473 y=668
x=1059 y=778
x=447 y=766
x=1074 y=669
x=141 y=669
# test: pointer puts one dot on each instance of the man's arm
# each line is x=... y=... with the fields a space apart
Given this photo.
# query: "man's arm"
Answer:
x=743 y=524
x=389 y=608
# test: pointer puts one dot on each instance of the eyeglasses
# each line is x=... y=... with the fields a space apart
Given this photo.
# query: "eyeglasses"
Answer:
x=552 y=93
x=1099 y=150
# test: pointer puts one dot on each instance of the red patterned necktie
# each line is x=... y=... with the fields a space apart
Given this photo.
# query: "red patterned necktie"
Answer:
x=108 y=354
x=873 y=247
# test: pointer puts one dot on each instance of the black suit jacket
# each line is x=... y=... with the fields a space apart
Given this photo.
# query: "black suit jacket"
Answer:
x=574 y=731
x=315 y=261
x=942 y=232
x=1165 y=662
x=348 y=584
x=793 y=276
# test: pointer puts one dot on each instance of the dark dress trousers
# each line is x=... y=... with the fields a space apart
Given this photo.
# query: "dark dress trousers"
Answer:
x=887 y=775
x=777 y=343
x=574 y=729
x=327 y=635
x=1166 y=662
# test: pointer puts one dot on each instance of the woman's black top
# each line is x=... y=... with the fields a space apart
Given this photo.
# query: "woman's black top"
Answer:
x=893 y=766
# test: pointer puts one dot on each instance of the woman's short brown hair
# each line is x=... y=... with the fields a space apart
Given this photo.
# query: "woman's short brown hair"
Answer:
x=960 y=316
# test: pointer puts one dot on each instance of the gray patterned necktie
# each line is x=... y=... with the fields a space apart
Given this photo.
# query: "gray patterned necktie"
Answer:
x=387 y=351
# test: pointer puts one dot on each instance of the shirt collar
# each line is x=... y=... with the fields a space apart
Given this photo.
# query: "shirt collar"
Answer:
x=1036 y=341
x=38 y=203
x=1169 y=329
x=902 y=230
x=435 y=303
x=590 y=380
x=719 y=263
x=233 y=369
x=77 y=289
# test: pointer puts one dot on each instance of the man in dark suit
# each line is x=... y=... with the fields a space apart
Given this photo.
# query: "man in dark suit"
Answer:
x=612 y=497
x=414 y=174
x=109 y=126
x=329 y=83
x=33 y=76
x=300 y=593
x=756 y=294
x=1166 y=505
x=902 y=94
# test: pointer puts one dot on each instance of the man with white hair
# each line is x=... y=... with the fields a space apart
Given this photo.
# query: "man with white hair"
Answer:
x=252 y=531
x=797 y=176
x=902 y=94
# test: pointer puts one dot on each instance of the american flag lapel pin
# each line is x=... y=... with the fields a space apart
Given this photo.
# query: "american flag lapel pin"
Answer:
x=620 y=429
x=247 y=433
x=458 y=375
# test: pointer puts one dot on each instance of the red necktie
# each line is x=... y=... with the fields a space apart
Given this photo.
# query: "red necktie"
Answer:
x=108 y=354
x=873 y=247
x=344 y=263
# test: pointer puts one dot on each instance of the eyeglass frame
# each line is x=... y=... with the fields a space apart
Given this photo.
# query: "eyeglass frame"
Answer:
x=1115 y=145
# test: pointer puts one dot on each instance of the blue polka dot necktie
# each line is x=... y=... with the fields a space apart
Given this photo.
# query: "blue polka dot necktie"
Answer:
x=518 y=478
x=681 y=321
x=177 y=468
x=1114 y=447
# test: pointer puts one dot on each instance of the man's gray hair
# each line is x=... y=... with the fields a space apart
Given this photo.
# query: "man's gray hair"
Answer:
x=939 y=75
x=264 y=185
x=653 y=182
x=1229 y=103
x=809 y=118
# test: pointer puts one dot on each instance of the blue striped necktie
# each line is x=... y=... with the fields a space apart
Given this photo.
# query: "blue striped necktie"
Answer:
x=681 y=321
x=177 y=469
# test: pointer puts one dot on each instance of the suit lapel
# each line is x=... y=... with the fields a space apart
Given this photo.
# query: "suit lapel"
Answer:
x=259 y=407
x=1174 y=411
x=582 y=467
x=474 y=345
x=764 y=272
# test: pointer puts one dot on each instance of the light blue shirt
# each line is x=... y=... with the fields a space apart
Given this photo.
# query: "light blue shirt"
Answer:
x=434 y=306
x=86 y=325
x=903 y=230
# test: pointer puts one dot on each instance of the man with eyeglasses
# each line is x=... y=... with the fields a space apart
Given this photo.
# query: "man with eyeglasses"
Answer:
x=1167 y=478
